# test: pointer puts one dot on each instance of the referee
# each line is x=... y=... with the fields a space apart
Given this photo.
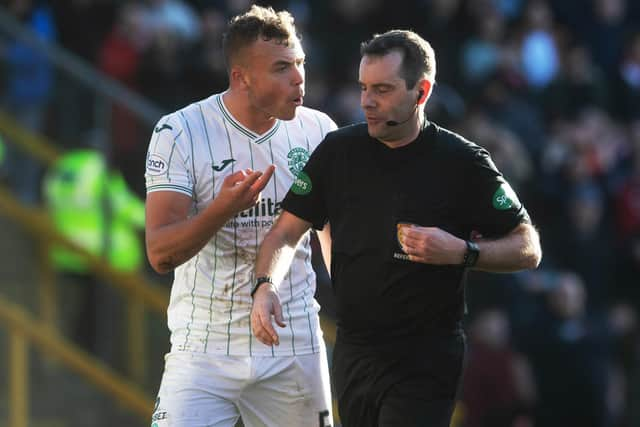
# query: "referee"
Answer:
x=403 y=197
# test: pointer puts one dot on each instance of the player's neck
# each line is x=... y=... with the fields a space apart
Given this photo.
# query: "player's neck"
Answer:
x=248 y=116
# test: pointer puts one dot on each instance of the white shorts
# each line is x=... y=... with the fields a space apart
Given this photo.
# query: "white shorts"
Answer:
x=199 y=390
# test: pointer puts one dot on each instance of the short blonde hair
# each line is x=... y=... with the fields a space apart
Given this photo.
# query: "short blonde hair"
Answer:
x=257 y=22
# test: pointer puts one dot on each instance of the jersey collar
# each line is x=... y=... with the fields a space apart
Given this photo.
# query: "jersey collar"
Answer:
x=258 y=139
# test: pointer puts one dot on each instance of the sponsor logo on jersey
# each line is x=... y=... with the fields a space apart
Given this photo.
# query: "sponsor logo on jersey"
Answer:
x=266 y=207
x=261 y=215
x=323 y=418
x=505 y=198
x=298 y=158
x=158 y=414
x=223 y=164
x=161 y=128
x=156 y=165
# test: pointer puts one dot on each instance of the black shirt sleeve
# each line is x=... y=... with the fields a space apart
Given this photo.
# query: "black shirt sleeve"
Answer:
x=306 y=198
x=493 y=207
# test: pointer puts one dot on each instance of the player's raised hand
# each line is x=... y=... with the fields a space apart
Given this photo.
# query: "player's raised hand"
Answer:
x=242 y=189
x=266 y=303
x=431 y=245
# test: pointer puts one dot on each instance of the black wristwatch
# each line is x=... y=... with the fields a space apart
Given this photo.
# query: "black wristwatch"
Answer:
x=259 y=281
x=471 y=255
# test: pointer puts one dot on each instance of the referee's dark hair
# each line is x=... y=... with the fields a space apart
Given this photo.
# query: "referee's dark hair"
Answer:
x=257 y=22
x=418 y=58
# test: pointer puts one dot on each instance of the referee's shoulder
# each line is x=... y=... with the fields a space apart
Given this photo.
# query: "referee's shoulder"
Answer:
x=454 y=143
x=349 y=133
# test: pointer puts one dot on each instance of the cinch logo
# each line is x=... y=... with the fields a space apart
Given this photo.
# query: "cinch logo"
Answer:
x=156 y=165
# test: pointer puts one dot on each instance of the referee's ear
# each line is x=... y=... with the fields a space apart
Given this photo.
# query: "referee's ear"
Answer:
x=425 y=89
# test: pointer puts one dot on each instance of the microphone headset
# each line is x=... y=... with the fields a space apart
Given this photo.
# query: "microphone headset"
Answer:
x=394 y=123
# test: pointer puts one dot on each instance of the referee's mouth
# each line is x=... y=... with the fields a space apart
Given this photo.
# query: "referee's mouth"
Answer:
x=373 y=120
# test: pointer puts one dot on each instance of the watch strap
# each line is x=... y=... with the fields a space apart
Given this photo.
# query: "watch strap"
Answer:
x=260 y=281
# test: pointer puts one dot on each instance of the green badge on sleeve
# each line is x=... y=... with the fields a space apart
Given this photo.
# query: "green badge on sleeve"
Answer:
x=505 y=198
x=302 y=184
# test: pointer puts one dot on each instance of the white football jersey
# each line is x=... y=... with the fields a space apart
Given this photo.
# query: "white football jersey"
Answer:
x=191 y=151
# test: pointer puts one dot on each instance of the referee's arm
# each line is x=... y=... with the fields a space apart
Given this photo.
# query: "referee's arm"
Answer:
x=274 y=257
x=518 y=250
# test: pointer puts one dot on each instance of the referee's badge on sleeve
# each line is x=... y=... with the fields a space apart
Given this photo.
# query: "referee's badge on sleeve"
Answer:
x=302 y=184
x=505 y=198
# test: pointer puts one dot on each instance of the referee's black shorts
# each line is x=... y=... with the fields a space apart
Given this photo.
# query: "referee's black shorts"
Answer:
x=407 y=384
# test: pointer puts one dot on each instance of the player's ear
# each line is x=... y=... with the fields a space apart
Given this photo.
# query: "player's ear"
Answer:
x=238 y=77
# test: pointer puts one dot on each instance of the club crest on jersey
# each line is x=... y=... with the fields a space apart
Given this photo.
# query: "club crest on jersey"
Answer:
x=156 y=165
x=298 y=158
x=505 y=198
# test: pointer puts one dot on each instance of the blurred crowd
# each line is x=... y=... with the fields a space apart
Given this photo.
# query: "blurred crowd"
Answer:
x=550 y=87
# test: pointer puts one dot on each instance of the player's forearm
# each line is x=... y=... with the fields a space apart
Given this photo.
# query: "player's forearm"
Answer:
x=519 y=250
x=173 y=244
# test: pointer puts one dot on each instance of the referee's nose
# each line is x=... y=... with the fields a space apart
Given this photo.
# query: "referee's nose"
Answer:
x=367 y=101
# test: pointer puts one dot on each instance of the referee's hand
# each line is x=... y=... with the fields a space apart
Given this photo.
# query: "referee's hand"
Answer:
x=432 y=245
x=266 y=303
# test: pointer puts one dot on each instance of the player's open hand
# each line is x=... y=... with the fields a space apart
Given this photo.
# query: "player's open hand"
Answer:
x=241 y=190
x=266 y=304
x=431 y=245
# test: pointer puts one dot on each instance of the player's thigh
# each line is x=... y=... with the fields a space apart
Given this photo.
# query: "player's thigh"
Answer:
x=292 y=391
x=199 y=390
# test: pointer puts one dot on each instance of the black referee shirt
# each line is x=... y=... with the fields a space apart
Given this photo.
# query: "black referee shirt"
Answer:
x=364 y=189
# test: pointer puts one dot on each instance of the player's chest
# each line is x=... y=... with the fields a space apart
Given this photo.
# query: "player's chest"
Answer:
x=289 y=161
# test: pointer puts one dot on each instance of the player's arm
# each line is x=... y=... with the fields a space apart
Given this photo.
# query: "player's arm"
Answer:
x=172 y=237
x=517 y=250
x=274 y=257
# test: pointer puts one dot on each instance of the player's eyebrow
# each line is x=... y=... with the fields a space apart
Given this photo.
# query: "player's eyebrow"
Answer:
x=283 y=62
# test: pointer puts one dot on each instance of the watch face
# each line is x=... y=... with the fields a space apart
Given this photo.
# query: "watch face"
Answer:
x=471 y=259
x=471 y=256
